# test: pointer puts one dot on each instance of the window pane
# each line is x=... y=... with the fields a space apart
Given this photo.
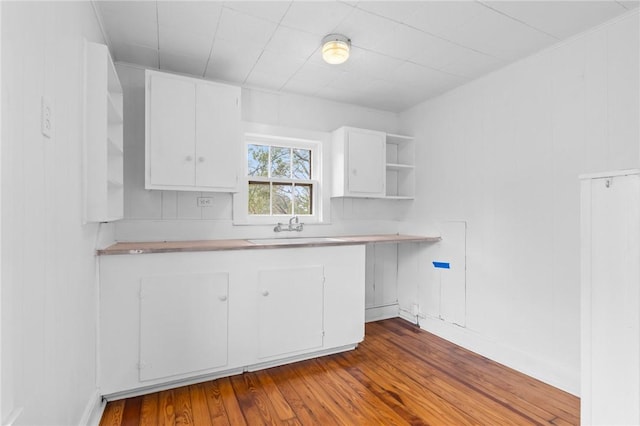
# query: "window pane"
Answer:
x=301 y=164
x=259 y=198
x=280 y=162
x=258 y=160
x=281 y=194
x=303 y=198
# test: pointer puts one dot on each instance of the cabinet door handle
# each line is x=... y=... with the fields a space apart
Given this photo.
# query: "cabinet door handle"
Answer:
x=265 y=293
x=223 y=298
x=201 y=159
x=188 y=158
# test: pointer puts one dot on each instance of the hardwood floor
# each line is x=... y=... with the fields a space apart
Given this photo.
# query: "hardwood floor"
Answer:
x=399 y=375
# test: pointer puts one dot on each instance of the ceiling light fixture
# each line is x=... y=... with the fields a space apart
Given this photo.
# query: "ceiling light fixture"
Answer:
x=335 y=49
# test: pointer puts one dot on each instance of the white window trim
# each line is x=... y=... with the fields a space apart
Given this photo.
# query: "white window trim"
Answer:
x=318 y=142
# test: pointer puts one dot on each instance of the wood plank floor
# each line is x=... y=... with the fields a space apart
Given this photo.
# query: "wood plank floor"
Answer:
x=399 y=375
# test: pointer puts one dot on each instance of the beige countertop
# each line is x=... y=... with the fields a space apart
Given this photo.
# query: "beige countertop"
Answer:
x=267 y=243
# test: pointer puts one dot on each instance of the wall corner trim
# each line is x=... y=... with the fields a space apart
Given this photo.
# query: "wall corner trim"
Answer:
x=93 y=411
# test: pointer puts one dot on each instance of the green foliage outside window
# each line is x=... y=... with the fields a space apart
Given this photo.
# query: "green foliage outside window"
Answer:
x=272 y=197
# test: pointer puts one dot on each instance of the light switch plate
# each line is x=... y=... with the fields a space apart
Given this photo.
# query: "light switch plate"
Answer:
x=205 y=201
x=46 y=117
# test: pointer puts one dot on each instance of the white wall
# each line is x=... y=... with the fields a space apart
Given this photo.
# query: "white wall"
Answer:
x=174 y=215
x=48 y=276
x=504 y=153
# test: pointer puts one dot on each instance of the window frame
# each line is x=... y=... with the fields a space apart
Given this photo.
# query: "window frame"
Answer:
x=294 y=184
x=254 y=134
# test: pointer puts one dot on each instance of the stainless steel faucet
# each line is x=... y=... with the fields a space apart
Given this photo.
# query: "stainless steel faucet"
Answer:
x=294 y=225
x=295 y=219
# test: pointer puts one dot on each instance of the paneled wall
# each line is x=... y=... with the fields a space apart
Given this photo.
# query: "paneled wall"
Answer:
x=49 y=309
x=503 y=154
x=153 y=215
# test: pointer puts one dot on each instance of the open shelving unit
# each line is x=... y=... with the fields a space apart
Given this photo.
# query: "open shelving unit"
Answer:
x=400 y=167
x=103 y=137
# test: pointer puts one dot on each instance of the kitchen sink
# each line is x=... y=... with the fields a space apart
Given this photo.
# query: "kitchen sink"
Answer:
x=287 y=241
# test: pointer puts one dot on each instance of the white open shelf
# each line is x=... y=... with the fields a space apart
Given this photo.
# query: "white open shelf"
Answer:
x=400 y=168
x=115 y=107
x=103 y=139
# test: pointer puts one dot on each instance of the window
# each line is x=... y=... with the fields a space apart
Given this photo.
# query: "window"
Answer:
x=283 y=171
x=279 y=180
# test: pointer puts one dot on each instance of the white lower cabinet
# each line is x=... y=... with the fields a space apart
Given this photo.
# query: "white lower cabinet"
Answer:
x=170 y=318
x=183 y=324
x=284 y=294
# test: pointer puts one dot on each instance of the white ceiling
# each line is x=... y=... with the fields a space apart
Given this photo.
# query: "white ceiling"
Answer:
x=403 y=52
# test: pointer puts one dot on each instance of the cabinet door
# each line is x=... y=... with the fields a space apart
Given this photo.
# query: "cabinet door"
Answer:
x=613 y=363
x=171 y=126
x=290 y=310
x=217 y=136
x=366 y=163
x=183 y=324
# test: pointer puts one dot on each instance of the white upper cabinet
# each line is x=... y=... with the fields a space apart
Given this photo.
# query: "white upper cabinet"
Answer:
x=217 y=136
x=372 y=164
x=171 y=131
x=103 y=137
x=359 y=163
x=192 y=134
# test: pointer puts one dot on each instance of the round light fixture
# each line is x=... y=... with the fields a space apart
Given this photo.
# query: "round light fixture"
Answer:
x=335 y=48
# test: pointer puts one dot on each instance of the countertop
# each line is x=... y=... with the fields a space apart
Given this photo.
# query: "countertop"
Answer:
x=217 y=245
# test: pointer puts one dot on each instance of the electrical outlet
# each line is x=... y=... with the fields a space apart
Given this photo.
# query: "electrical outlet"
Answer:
x=46 y=121
x=205 y=201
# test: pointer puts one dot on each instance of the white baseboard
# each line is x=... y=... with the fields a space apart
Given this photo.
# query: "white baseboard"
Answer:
x=379 y=313
x=171 y=385
x=226 y=373
x=298 y=358
x=406 y=316
x=567 y=380
x=93 y=411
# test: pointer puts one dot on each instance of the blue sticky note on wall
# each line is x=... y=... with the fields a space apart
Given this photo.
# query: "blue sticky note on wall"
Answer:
x=441 y=265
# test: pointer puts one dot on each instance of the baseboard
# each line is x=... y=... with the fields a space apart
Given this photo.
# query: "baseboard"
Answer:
x=170 y=385
x=226 y=373
x=568 y=381
x=379 y=313
x=93 y=411
x=298 y=358
x=407 y=317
